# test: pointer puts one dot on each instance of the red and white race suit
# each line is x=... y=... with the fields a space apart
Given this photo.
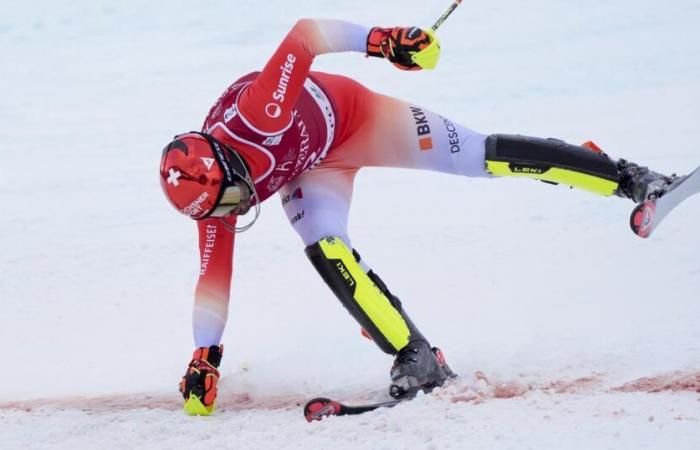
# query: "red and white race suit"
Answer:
x=306 y=134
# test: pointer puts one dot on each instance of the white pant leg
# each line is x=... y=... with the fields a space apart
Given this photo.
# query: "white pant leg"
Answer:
x=466 y=148
x=317 y=203
x=393 y=133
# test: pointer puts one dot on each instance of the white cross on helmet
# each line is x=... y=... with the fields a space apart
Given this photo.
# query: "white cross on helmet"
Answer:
x=174 y=175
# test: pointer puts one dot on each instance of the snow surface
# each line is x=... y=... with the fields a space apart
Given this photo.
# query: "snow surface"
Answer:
x=568 y=331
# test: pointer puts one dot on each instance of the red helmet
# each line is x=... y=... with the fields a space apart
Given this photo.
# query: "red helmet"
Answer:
x=202 y=177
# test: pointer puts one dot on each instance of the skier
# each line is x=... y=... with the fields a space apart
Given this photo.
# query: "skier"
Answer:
x=305 y=135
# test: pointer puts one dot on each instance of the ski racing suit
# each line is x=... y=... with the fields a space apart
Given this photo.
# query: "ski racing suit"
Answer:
x=306 y=134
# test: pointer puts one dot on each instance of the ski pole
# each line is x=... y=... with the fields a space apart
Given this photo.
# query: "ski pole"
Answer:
x=446 y=14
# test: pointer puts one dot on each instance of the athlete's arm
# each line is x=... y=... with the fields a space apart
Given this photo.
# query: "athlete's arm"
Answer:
x=211 y=297
x=268 y=102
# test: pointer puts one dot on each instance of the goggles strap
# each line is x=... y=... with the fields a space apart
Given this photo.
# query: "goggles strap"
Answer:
x=234 y=169
x=254 y=195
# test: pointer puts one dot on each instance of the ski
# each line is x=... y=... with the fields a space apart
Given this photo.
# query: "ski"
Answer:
x=647 y=216
x=321 y=407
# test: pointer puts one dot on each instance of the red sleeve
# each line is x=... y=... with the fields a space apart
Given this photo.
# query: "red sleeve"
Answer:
x=216 y=239
x=267 y=104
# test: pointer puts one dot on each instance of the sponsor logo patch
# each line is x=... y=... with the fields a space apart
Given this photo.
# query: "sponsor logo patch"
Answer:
x=519 y=168
x=273 y=140
x=316 y=92
x=230 y=113
x=297 y=217
x=275 y=183
x=274 y=110
x=194 y=208
x=209 y=243
x=647 y=217
x=297 y=194
x=345 y=274
x=425 y=141
x=304 y=160
x=209 y=162
x=284 y=166
x=452 y=136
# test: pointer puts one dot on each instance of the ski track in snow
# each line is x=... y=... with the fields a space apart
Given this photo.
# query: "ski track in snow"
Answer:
x=576 y=333
x=661 y=406
x=456 y=391
x=623 y=415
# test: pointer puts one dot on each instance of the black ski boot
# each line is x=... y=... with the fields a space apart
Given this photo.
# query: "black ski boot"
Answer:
x=418 y=367
x=640 y=184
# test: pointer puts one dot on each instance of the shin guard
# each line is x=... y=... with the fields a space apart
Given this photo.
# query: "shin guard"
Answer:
x=552 y=161
x=363 y=294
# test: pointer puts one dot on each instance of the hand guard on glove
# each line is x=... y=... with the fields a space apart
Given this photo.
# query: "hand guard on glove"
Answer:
x=408 y=48
x=198 y=385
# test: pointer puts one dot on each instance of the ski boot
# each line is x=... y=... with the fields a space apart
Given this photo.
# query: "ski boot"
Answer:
x=417 y=367
x=198 y=385
x=641 y=184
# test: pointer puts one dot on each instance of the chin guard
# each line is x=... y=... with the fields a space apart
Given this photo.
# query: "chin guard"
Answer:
x=363 y=294
x=552 y=161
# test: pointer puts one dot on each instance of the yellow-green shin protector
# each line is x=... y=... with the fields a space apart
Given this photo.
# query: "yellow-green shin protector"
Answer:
x=363 y=294
x=552 y=161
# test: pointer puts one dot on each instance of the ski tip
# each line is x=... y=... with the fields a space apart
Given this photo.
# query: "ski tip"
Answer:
x=642 y=219
x=319 y=408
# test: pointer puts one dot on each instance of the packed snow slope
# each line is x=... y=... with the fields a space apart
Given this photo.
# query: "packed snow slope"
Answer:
x=568 y=331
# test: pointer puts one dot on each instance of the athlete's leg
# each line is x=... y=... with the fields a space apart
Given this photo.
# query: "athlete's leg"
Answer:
x=392 y=133
x=385 y=132
x=317 y=204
